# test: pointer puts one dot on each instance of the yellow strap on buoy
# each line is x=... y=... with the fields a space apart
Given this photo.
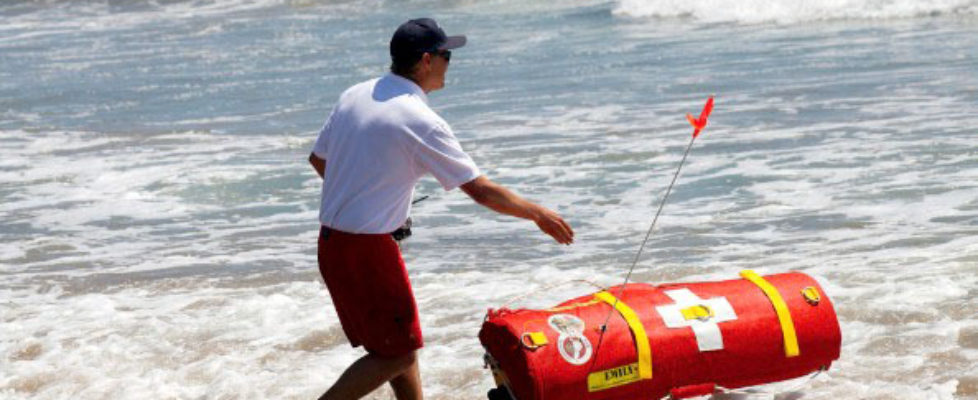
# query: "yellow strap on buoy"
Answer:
x=638 y=330
x=781 y=308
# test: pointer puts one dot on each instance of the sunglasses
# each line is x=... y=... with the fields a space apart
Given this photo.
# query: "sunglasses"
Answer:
x=446 y=54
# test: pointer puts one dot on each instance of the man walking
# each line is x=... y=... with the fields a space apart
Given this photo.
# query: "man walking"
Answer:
x=379 y=140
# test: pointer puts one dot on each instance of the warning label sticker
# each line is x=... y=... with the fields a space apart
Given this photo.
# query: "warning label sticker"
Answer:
x=613 y=377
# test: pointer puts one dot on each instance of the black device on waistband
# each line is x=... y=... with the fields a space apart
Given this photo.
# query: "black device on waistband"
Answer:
x=400 y=234
x=403 y=232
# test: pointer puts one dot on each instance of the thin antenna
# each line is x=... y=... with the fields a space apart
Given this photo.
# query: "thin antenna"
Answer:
x=698 y=125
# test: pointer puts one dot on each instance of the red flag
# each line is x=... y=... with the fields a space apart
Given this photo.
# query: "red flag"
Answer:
x=700 y=123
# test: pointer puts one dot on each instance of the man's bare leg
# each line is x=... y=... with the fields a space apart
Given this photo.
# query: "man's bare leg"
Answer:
x=367 y=374
x=407 y=386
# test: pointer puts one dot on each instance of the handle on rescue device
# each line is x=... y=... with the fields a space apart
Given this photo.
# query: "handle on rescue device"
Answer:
x=533 y=340
x=685 y=392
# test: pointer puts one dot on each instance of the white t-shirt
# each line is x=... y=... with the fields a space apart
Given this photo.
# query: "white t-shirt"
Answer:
x=380 y=139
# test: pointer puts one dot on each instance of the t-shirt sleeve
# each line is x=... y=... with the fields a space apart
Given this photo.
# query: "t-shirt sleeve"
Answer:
x=440 y=154
x=319 y=149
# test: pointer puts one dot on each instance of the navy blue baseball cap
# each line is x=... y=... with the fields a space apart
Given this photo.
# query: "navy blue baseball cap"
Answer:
x=422 y=35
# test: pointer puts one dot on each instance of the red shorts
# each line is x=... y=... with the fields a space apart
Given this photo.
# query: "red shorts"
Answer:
x=369 y=284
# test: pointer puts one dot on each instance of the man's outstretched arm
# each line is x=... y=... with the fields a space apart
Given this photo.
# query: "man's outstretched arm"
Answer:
x=318 y=164
x=502 y=200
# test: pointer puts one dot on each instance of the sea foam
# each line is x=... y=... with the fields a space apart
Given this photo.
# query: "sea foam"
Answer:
x=792 y=11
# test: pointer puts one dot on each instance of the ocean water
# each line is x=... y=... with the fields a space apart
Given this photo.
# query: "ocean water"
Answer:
x=158 y=216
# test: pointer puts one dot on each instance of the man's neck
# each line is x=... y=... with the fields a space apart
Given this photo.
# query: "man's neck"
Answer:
x=410 y=78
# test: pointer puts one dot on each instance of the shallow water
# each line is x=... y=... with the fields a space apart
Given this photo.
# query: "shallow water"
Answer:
x=158 y=217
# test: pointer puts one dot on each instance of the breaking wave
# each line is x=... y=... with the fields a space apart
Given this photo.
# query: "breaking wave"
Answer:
x=792 y=11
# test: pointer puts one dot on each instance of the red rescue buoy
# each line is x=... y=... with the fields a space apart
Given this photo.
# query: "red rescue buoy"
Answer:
x=682 y=340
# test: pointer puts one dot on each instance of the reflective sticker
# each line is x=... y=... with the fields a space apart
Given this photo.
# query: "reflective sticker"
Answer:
x=566 y=324
x=613 y=377
x=572 y=345
x=575 y=349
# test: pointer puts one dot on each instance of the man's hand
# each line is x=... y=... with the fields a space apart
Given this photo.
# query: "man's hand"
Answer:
x=552 y=224
x=501 y=200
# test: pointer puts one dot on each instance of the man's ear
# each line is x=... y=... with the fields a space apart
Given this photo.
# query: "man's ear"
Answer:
x=426 y=61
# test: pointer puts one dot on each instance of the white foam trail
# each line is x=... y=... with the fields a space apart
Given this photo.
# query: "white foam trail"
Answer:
x=792 y=11
x=71 y=17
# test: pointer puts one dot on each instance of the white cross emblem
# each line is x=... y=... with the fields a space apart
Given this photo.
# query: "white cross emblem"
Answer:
x=699 y=314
